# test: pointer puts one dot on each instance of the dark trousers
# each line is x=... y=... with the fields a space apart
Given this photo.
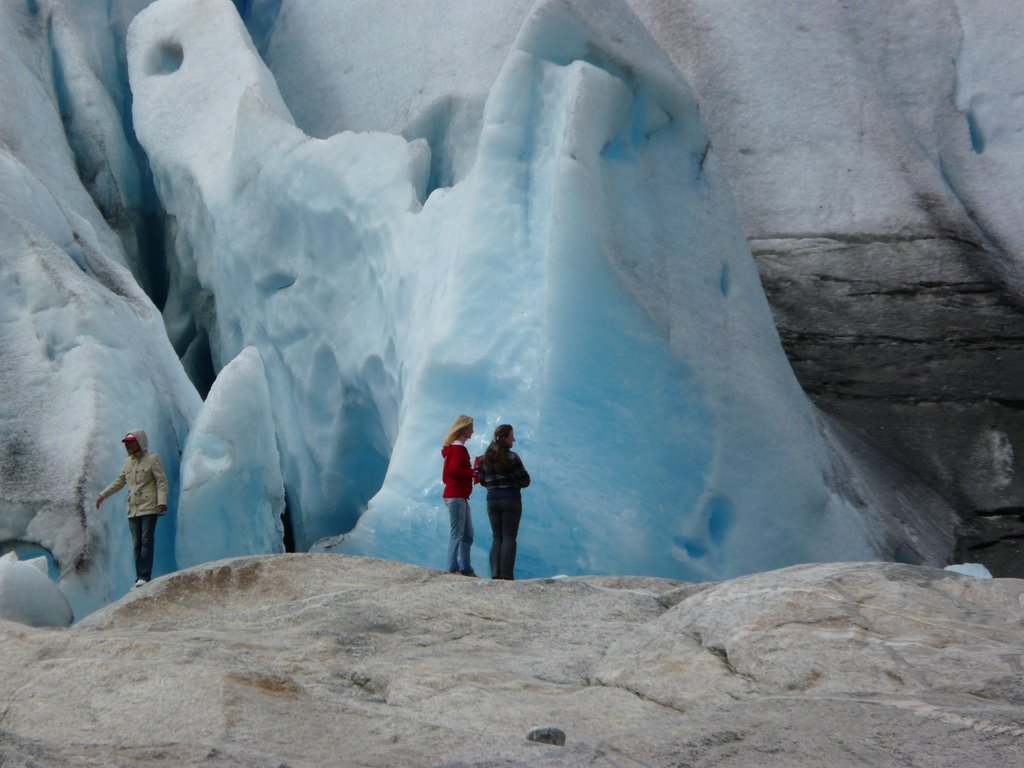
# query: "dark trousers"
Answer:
x=504 y=515
x=143 y=529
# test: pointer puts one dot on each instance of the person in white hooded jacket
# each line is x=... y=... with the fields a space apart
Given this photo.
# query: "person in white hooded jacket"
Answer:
x=143 y=473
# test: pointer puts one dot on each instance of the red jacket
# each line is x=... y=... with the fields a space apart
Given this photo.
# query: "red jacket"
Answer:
x=457 y=475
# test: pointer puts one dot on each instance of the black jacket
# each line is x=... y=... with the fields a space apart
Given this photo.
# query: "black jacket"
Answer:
x=504 y=482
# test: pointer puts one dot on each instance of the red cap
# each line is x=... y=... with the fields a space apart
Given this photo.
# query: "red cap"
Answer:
x=129 y=438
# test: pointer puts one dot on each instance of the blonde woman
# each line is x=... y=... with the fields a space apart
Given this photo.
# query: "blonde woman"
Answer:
x=458 y=478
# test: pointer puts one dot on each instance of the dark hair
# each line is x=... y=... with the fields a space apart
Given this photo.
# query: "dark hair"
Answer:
x=496 y=454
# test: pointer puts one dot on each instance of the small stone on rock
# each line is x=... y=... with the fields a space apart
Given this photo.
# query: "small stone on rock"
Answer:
x=547 y=734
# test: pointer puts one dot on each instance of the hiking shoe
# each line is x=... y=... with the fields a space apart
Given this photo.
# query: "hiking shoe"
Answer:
x=469 y=572
x=138 y=583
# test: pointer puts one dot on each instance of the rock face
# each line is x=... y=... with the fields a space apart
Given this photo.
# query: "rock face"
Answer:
x=870 y=166
x=312 y=660
x=910 y=342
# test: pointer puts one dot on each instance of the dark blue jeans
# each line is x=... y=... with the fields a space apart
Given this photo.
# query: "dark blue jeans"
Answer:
x=504 y=515
x=143 y=530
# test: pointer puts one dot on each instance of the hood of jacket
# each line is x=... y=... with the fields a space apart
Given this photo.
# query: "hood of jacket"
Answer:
x=445 y=449
x=140 y=438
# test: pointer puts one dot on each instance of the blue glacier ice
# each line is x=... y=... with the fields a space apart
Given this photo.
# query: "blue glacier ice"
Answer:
x=585 y=278
x=232 y=494
x=27 y=594
x=516 y=214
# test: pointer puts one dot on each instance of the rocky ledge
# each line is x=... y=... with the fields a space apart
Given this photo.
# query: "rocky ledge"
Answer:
x=314 y=660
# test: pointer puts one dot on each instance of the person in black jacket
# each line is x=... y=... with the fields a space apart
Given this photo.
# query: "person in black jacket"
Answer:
x=502 y=473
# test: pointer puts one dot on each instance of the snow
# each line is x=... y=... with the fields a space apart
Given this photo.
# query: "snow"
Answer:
x=515 y=212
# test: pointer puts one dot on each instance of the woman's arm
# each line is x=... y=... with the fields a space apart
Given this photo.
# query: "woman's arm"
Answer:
x=521 y=475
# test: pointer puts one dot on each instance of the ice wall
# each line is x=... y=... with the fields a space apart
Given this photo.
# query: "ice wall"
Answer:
x=85 y=354
x=585 y=279
x=535 y=230
x=287 y=240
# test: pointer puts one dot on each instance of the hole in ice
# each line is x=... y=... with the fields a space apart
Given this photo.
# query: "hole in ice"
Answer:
x=693 y=549
x=724 y=280
x=198 y=363
x=977 y=138
x=286 y=521
x=436 y=127
x=363 y=456
x=276 y=281
x=164 y=58
x=720 y=519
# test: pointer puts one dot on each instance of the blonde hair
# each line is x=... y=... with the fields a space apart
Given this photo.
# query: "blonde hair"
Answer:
x=460 y=423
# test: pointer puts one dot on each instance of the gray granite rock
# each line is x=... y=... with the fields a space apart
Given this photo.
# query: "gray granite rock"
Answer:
x=313 y=660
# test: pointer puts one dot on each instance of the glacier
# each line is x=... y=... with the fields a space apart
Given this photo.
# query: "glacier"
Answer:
x=311 y=261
